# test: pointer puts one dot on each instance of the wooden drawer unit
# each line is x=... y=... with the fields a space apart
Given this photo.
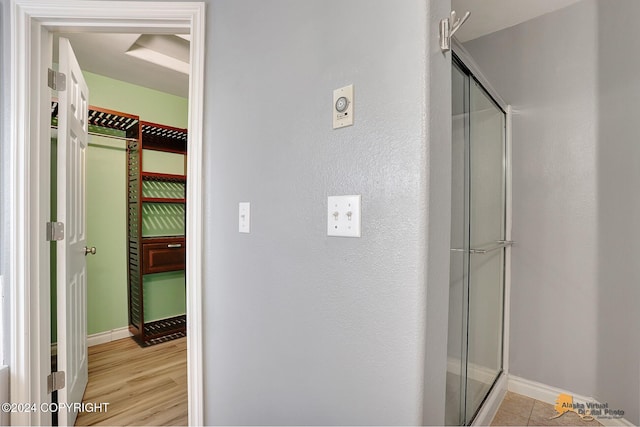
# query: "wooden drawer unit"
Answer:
x=163 y=254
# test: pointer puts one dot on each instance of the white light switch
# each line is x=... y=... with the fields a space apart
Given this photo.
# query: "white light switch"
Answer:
x=343 y=216
x=244 y=217
x=343 y=107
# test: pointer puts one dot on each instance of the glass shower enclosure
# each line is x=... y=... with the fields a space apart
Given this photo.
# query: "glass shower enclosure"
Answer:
x=476 y=293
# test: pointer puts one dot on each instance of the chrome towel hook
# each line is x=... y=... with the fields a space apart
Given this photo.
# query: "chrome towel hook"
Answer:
x=448 y=27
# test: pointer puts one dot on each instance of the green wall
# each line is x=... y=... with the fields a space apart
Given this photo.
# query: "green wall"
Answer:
x=151 y=105
x=164 y=295
x=106 y=210
x=107 y=231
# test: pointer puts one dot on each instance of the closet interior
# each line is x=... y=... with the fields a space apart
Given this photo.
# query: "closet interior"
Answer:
x=156 y=201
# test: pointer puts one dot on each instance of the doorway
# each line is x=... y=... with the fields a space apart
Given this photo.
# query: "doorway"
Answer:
x=30 y=124
x=478 y=247
x=112 y=134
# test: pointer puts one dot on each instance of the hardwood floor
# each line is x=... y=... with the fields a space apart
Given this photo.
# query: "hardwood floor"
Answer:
x=143 y=386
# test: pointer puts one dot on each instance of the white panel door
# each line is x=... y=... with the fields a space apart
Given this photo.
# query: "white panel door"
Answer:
x=71 y=263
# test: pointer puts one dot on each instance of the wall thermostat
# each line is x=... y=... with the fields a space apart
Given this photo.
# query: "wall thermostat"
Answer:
x=343 y=107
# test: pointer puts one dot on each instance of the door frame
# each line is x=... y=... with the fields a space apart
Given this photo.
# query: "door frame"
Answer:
x=32 y=22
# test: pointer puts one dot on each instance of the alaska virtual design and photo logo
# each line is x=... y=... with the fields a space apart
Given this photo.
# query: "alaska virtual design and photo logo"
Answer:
x=587 y=411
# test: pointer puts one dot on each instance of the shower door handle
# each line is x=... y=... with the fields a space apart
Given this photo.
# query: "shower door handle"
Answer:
x=501 y=244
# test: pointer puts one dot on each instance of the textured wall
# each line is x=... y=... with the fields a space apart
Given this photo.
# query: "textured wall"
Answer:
x=618 y=357
x=546 y=68
x=301 y=328
x=436 y=241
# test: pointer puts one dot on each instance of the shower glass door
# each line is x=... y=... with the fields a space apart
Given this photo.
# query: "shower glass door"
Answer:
x=476 y=295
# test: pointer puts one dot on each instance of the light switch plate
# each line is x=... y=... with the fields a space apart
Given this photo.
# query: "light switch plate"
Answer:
x=343 y=216
x=343 y=107
x=244 y=217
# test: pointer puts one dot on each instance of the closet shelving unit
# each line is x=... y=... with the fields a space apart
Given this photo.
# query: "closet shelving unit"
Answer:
x=106 y=122
x=153 y=198
x=156 y=219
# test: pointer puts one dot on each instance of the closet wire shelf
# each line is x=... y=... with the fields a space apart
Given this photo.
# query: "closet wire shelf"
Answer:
x=165 y=330
x=103 y=121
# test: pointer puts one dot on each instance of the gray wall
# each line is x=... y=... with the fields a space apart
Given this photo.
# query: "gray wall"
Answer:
x=302 y=328
x=575 y=203
x=618 y=357
x=436 y=240
x=545 y=68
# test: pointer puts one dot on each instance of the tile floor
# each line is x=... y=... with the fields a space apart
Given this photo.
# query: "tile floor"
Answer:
x=518 y=410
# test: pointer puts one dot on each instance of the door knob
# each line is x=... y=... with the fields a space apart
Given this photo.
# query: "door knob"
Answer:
x=91 y=250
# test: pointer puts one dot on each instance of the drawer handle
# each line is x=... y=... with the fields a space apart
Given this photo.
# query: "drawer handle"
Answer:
x=174 y=245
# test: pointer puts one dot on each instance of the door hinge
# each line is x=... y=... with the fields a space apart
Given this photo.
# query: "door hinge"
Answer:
x=57 y=81
x=55 y=381
x=55 y=231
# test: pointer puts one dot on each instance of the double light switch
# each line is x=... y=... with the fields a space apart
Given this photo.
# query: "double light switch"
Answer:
x=343 y=216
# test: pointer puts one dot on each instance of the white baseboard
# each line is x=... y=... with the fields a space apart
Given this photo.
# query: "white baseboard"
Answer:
x=108 y=336
x=100 y=338
x=548 y=394
x=492 y=404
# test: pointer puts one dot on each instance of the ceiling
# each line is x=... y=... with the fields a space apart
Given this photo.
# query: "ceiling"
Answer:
x=105 y=54
x=488 y=16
